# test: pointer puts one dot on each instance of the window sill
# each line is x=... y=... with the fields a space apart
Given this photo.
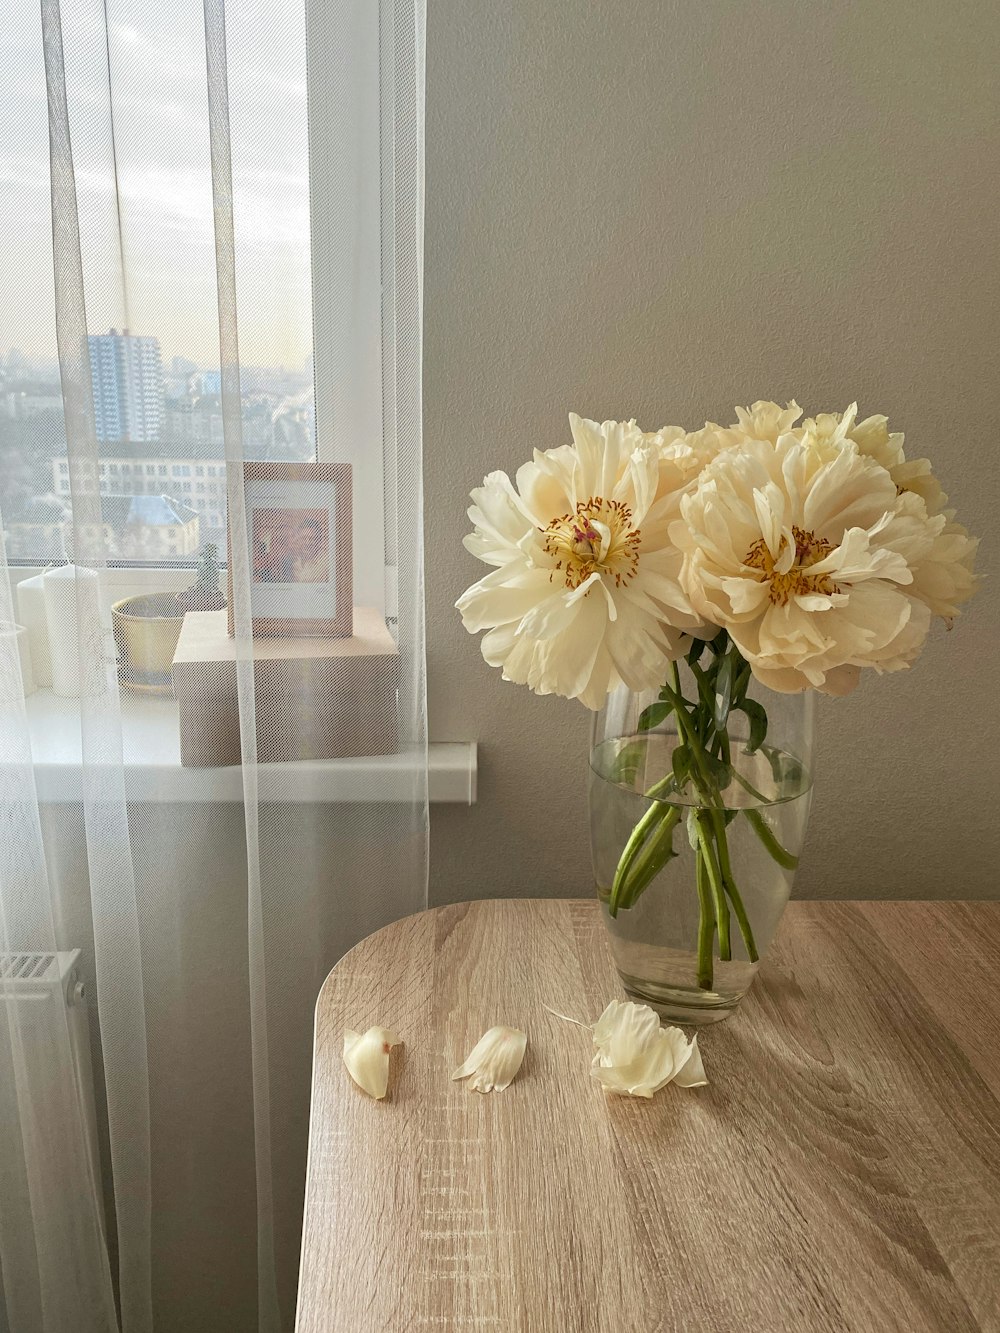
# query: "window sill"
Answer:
x=153 y=772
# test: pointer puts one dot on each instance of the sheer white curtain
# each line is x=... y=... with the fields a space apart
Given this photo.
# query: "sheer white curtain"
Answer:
x=227 y=206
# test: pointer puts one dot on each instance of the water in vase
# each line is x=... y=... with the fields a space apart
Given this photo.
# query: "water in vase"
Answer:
x=765 y=805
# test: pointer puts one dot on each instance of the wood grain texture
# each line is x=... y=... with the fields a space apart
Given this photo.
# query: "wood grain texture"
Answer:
x=840 y=1172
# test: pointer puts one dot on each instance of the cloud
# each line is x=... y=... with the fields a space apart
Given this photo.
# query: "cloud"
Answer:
x=157 y=105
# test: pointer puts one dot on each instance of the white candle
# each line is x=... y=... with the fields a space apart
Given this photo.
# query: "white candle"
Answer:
x=76 y=638
x=31 y=613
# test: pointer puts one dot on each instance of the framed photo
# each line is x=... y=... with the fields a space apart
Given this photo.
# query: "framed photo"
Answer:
x=299 y=527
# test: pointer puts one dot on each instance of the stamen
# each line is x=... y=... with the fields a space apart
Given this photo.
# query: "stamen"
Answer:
x=579 y=545
x=809 y=550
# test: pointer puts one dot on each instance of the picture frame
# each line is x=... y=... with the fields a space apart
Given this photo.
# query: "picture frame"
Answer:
x=299 y=530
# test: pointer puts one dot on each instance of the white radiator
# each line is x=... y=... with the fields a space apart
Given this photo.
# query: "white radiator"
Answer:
x=41 y=998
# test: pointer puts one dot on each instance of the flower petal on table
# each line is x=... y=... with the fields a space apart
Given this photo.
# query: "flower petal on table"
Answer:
x=691 y=1073
x=635 y=1056
x=494 y=1060
x=366 y=1056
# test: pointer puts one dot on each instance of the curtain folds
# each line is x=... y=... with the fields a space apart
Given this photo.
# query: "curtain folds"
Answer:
x=233 y=296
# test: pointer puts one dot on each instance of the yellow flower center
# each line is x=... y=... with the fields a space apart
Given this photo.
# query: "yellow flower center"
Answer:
x=791 y=582
x=598 y=538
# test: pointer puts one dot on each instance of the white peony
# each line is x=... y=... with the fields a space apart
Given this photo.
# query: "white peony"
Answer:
x=819 y=546
x=943 y=575
x=803 y=550
x=585 y=591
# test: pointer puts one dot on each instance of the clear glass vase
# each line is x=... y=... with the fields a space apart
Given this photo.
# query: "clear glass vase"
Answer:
x=698 y=812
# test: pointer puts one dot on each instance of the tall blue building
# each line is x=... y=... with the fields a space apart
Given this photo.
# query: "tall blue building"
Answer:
x=127 y=375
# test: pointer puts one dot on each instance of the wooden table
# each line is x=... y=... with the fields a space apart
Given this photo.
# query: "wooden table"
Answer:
x=840 y=1172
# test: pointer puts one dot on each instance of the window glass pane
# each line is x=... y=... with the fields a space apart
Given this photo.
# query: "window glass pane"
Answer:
x=138 y=106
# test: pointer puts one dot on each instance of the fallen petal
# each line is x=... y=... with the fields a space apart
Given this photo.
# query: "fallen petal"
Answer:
x=692 y=1072
x=635 y=1056
x=366 y=1056
x=494 y=1060
x=623 y=1031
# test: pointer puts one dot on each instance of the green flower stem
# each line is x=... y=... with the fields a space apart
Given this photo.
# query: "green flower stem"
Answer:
x=706 y=762
x=657 y=851
x=714 y=808
x=729 y=880
x=726 y=756
x=636 y=839
x=644 y=829
x=706 y=924
x=718 y=821
x=703 y=824
x=660 y=789
x=777 y=851
x=706 y=786
x=749 y=943
x=748 y=786
x=780 y=854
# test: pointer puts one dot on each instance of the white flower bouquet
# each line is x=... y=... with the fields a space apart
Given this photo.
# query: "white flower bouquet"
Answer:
x=795 y=554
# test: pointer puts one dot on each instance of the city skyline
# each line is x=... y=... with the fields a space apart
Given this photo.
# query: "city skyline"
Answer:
x=180 y=460
x=49 y=362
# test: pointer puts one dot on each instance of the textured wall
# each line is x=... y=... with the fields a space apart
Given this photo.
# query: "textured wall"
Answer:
x=650 y=208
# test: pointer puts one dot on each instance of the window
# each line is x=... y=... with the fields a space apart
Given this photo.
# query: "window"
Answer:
x=295 y=241
x=156 y=384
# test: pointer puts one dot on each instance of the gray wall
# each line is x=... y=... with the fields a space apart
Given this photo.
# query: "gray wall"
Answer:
x=662 y=209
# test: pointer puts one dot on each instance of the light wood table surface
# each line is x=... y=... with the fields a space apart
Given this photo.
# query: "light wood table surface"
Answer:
x=840 y=1172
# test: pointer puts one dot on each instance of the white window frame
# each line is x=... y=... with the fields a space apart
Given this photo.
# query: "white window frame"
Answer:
x=346 y=239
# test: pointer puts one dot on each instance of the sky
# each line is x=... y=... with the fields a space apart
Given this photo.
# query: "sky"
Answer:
x=158 y=105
